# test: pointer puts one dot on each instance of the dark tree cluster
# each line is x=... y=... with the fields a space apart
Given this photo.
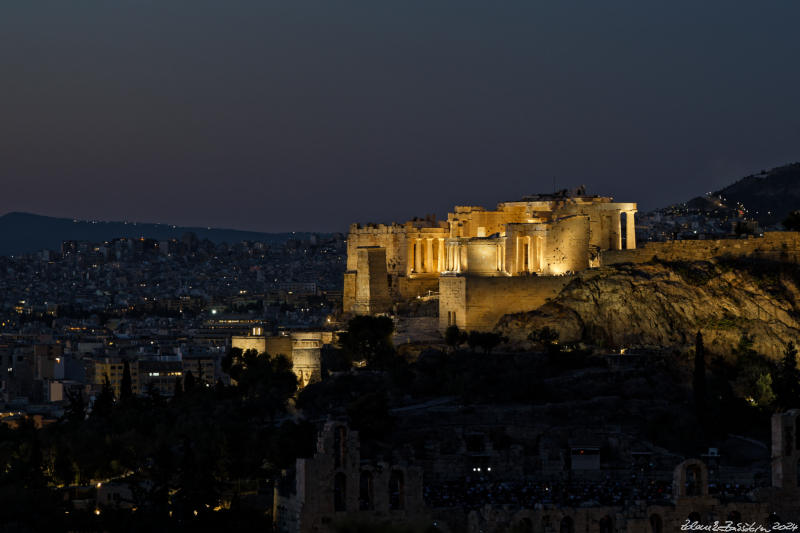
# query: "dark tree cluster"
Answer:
x=187 y=460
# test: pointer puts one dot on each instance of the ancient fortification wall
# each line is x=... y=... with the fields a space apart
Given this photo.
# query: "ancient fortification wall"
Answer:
x=302 y=348
x=413 y=259
x=372 y=282
x=568 y=246
x=477 y=303
x=777 y=245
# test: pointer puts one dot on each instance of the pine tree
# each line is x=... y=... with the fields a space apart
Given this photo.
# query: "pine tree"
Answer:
x=788 y=382
x=104 y=403
x=188 y=382
x=126 y=386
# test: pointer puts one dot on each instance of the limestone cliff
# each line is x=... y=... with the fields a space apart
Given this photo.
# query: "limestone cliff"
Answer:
x=664 y=304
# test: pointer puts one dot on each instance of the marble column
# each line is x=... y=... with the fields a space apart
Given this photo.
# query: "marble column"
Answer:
x=630 y=230
x=616 y=231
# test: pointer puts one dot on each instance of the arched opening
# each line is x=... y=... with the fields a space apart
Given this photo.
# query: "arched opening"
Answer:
x=339 y=445
x=797 y=433
x=396 y=490
x=340 y=492
x=656 y=524
x=694 y=483
x=797 y=473
x=567 y=525
x=365 y=491
x=735 y=517
x=606 y=524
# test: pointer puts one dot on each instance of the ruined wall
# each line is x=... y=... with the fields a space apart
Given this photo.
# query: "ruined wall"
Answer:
x=785 y=449
x=372 y=282
x=306 y=356
x=349 y=292
x=777 y=245
x=392 y=238
x=407 y=288
x=301 y=348
x=567 y=246
x=468 y=222
x=249 y=343
x=279 y=345
x=477 y=303
x=452 y=301
x=413 y=258
x=484 y=257
x=312 y=505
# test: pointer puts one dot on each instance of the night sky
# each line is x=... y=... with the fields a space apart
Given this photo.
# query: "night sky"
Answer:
x=294 y=115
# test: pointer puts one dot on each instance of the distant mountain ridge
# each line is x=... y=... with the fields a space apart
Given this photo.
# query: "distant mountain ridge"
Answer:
x=768 y=196
x=22 y=233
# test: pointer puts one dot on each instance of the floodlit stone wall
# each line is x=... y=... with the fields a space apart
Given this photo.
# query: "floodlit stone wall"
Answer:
x=413 y=251
x=302 y=348
x=244 y=343
x=477 y=302
x=372 y=282
x=776 y=245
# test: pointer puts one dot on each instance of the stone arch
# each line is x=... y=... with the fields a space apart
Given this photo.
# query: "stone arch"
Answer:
x=567 y=525
x=606 y=524
x=797 y=471
x=366 y=492
x=690 y=479
x=656 y=523
x=525 y=525
x=340 y=492
x=797 y=434
x=396 y=490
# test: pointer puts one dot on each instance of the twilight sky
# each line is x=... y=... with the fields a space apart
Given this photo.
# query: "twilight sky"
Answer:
x=308 y=115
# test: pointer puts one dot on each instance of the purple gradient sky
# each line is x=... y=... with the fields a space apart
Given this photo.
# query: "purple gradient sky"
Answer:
x=277 y=116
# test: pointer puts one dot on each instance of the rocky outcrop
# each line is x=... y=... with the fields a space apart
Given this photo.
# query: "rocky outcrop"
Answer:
x=664 y=304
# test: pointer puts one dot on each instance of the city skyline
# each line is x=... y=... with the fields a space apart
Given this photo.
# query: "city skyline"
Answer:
x=306 y=117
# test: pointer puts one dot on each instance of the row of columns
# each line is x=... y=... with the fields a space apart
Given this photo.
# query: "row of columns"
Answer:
x=529 y=254
x=426 y=255
x=430 y=255
x=616 y=231
x=453 y=257
x=630 y=230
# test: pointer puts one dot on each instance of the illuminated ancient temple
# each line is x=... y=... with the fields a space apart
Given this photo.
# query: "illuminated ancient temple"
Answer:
x=484 y=262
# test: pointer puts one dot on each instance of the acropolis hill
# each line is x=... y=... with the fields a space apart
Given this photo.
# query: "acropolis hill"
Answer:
x=486 y=264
